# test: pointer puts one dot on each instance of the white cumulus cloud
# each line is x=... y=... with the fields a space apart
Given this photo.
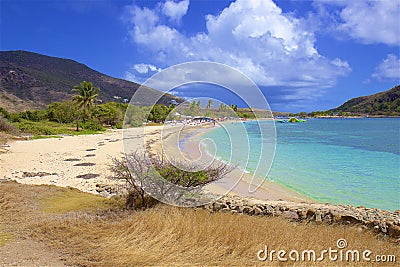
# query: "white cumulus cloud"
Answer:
x=139 y=73
x=175 y=10
x=255 y=36
x=368 y=21
x=388 y=69
x=145 y=68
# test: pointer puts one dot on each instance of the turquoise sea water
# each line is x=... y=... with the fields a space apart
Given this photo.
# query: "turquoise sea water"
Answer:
x=341 y=161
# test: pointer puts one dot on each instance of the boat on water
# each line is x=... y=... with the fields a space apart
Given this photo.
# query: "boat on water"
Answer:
x=290 y=120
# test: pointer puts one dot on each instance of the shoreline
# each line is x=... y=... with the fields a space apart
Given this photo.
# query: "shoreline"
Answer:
x=83 y=162
x=238 y=182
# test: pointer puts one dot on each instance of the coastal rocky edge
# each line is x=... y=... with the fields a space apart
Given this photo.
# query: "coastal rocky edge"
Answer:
x=380 y=221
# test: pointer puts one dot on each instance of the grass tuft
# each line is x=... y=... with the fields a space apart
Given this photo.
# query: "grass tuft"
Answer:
x=74 y=200
x=5 y=237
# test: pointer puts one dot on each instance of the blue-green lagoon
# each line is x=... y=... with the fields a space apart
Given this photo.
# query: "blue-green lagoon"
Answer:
x=339 y=161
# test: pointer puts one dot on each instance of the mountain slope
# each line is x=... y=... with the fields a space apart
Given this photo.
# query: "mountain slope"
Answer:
x=383 y=103
x=30 y=80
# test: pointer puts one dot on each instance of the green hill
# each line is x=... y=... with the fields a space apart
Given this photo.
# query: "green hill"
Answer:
x=30 y=81
x=384 y=103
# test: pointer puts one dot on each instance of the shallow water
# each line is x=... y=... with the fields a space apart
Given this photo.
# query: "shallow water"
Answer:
x=340 y=161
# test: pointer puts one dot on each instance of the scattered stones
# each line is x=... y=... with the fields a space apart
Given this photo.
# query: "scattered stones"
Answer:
x=88 y=176
x=106 y=190
x=85 y=164
x=36 y=174
x=72 y=159
x=382 y=221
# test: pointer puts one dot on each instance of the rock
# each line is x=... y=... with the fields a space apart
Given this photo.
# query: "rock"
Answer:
x=248 y=210
x=226 y=209
x=336 y=216
x=85 y=164
x=318 y=216
x=383 y=229
x=257 y=211
x=72 y=159
x=378 y=220
x=291 y=215
x=327 y=218
x=218 y=206
x=350 y=219
x=88 y=176
x=106 y=190
x=310 y=214
x=268 y=210
x=302 y=214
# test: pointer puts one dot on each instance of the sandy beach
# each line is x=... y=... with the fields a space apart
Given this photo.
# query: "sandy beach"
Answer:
x=83 y=161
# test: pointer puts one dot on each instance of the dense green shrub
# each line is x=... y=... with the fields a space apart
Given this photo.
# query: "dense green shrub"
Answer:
x=107 y=114
x=30 y=115
x=62 y=112
x=91 y=126
x=34 y=115
x=31 y=127
x=135 y=116
x=159 y=113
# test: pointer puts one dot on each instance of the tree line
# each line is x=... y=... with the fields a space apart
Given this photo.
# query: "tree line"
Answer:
x=84 y=111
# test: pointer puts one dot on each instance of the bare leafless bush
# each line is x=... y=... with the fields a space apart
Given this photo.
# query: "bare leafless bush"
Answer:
x=136 y=197
x=156 y=177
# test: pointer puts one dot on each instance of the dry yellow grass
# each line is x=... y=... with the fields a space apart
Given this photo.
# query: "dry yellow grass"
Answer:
x=4 y=237
x=104 y=235
x=71 y=199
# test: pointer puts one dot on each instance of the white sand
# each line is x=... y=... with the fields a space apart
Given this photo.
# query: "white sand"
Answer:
x=53 y=156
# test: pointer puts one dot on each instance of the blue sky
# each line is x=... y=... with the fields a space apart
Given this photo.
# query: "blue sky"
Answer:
x=304 y=55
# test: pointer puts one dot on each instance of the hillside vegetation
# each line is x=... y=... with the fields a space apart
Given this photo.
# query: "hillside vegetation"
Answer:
x=31 y=81
x=383 y=103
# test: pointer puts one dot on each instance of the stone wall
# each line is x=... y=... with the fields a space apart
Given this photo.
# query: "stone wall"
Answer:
x=382 y=221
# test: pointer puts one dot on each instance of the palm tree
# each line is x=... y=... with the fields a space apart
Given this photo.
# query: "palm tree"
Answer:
x=209 y=104
x=85 y=97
